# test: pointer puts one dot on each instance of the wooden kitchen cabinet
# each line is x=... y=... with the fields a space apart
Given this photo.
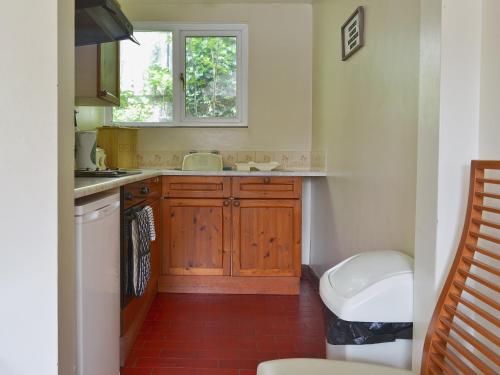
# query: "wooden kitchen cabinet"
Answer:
x=97 y=75
x=197 y=236
x=238 y=235
x=266 y=237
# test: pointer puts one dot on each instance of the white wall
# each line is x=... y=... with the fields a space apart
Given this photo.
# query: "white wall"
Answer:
x=365 y=114
x=462 y=35
x=29 y=170
x=489 y=145
x=427 y=171
x=66 y=138
x=280 y=71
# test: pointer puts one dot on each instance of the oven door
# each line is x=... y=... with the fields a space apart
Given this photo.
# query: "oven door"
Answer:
x=126 y=258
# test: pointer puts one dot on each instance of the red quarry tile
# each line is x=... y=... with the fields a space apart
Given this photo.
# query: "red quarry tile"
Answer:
x=238 y=363
x=135 y=371
x=216 y=371
x=194 y=334
x=218 y=353
x=176 y=362
x=248 y=372
x=173 y=371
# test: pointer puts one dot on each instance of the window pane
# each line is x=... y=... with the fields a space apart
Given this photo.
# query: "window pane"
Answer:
x=211 y=77
x=146 y=79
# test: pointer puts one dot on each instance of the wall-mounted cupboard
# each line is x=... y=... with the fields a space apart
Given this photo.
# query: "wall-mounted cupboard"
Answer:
x=97 y=75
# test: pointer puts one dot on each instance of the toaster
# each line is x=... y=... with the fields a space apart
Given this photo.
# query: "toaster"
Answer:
x=202 y=161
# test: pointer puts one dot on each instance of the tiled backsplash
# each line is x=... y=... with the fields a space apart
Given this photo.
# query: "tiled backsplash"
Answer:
x=287 y=159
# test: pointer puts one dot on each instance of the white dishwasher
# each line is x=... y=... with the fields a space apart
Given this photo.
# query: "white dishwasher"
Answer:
x=97 y=243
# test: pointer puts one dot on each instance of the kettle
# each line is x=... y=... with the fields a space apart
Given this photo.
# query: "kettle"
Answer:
x=100 y=159
x=86 y=143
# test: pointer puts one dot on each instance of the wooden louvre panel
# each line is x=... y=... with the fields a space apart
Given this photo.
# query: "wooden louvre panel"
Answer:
x=463 y=334
x=196 y=187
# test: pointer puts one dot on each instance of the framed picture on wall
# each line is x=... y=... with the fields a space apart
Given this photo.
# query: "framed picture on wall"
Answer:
x=353 y=33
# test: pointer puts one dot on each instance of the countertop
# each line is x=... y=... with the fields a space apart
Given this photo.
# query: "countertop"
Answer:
x=85 y=186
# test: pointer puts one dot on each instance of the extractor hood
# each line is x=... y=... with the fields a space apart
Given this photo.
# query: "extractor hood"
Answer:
x=100 y=21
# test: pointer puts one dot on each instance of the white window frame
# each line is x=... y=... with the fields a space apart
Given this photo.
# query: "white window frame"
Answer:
x=179 y=32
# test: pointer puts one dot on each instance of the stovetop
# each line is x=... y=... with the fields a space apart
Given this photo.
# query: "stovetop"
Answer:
x=109 y=173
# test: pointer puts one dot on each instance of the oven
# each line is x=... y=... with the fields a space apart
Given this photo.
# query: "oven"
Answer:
x=134 y=197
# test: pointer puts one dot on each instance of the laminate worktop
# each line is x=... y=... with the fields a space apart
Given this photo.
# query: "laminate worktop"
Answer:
x=85 y=186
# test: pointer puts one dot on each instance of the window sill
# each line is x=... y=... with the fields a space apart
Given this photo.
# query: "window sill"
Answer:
x=167 y=125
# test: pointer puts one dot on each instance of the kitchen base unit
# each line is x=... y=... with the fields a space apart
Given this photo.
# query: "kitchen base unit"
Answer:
x=232 y=235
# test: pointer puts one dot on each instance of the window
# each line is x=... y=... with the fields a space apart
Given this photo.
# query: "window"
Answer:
x=183 y=75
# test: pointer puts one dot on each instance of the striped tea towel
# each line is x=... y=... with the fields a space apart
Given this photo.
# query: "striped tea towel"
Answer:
x=151 y=219
x=142 y=254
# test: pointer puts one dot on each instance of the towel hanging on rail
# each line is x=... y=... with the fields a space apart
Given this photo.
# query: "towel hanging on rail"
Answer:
x=151 y=219
x=141 y=234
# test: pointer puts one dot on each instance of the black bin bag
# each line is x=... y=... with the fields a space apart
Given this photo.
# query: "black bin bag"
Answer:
x=343 y=332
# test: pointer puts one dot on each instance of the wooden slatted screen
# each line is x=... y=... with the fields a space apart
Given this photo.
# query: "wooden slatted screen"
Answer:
x=463 y=337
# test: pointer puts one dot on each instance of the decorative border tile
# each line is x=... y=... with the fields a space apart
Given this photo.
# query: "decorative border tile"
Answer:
x=246 y=156
x=229 y=158
x=287 y=159
x=264 y=156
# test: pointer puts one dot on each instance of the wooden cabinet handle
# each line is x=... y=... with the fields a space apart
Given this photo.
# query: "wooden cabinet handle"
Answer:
x=236 y=203
x=226 y=203
x=267 y=180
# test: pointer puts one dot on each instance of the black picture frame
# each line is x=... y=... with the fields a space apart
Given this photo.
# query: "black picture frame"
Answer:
x=360 y=14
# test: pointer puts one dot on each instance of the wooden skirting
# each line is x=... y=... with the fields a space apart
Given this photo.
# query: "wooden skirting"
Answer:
x=229 y=285
x=308 y=273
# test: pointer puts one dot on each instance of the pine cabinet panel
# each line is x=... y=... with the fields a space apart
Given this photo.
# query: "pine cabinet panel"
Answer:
x=196 y=237
x=267 y=187
x=196 y=187
x=266 y=238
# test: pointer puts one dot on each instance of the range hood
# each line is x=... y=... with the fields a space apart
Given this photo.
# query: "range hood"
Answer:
x=100 y=21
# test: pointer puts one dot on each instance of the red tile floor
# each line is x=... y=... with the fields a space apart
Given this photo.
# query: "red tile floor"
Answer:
x=197 y=334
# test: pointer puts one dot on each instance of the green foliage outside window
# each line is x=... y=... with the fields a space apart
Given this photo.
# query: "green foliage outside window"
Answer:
x=211 y=66
x=147 y=79
x=151 y=98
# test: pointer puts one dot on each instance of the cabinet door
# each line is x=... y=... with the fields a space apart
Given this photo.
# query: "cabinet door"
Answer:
x=266 y=237
x=196 y=236
x=108 y=80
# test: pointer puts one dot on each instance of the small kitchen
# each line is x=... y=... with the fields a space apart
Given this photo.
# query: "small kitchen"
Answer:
x=249 y=187
x=193 y=160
